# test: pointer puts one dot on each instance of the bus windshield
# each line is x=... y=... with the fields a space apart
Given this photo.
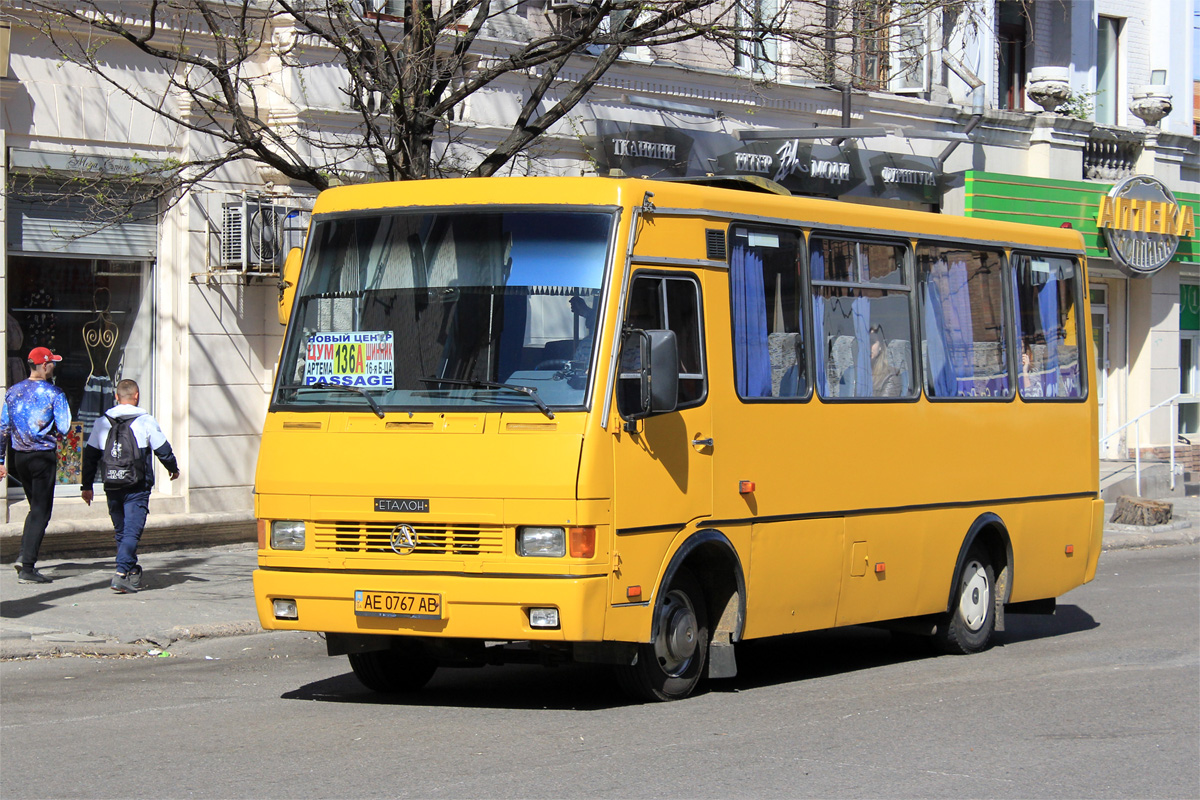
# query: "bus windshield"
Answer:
x=446 y=309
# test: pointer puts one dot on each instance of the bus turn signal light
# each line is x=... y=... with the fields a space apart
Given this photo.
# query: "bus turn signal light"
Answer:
x=583 y=542
x=1070 y=549
x=880 y=567
x=745 y=487
x=634 y=592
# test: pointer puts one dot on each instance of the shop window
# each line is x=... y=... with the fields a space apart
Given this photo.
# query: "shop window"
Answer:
x=1045 y=290
x=96 y=314
x=963 y=330
x=1189 y=362
x=861 y=321
x=768 y=331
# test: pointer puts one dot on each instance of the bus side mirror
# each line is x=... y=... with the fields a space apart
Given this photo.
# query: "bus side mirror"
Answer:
x=287 y=283
x=660 y=372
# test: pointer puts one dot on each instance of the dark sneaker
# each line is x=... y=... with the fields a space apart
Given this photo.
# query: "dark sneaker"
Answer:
x=135 y=577
x=122 y=585
x=31 y=576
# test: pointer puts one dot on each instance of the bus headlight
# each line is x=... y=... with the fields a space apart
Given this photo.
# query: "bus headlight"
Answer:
x=541 y=542
x=543 y=617
x=285 y=609
x=287 y=534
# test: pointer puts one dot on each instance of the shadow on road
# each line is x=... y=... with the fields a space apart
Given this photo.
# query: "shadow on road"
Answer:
x=571 y=687
x=1028 y=627
x=39 y=597
x=761 y=663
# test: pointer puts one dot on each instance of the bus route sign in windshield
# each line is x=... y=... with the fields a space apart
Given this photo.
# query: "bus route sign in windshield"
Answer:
x=362 y=358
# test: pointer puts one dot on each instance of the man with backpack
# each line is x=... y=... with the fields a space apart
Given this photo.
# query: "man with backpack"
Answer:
x=121 y=446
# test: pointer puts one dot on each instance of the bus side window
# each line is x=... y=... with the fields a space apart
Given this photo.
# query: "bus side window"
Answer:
x=660 y=302
x=963 y=330
x=861 y=319
x=765 y=290
x=1044 y=294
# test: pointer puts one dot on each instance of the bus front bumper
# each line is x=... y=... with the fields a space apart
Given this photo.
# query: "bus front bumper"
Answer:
x=466 y=606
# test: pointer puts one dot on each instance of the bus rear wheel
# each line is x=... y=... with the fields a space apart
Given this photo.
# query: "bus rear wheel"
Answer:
x=670 y=667
x=394 y=671
x=969 y=625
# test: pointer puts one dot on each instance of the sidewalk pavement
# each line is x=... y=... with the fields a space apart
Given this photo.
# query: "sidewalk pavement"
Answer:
x=207 y=592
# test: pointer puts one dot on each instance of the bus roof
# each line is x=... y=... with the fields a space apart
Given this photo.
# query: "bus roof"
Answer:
x=677 y=195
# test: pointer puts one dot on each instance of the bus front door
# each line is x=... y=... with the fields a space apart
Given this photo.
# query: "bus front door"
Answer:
x=663 y=463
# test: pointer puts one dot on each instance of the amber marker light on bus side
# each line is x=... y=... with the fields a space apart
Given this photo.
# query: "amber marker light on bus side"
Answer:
x=880 y=567
x=1070 y=549
x=583 y=542
x=746 y=487
x=633 y=592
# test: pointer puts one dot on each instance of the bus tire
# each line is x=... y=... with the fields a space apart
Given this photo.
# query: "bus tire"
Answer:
x=670 y=667
x=393 y=671
x=969 y=625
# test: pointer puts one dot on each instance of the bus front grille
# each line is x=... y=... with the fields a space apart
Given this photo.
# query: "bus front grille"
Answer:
x=431 y=540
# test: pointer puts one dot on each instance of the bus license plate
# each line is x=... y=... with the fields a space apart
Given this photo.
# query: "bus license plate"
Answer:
x=397 y=604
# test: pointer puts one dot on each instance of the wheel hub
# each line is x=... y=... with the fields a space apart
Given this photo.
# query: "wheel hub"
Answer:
x=976 y=596
x=677 y=642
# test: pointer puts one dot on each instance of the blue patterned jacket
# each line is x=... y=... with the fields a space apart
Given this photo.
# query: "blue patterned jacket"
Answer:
x=34 y=415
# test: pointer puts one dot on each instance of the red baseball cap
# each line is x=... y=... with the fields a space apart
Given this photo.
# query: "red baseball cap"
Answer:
x=42 y=355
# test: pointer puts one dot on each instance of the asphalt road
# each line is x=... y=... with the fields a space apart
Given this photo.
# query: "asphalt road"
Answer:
x=1101 y=700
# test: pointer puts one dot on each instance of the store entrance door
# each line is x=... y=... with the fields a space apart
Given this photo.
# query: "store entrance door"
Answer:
x=1100 y=352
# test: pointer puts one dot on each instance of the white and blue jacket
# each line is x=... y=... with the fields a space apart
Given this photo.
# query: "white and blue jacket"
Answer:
x=150 y=439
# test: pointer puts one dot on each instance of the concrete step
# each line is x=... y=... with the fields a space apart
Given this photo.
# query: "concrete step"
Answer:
x=1120 y=478
x=73 y=509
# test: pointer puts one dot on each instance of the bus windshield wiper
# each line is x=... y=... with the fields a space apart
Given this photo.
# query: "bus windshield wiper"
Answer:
x=475 y=383
x=357 y=390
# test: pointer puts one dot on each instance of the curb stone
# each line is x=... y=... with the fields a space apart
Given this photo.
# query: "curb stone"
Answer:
x=16 y=649
x=58 y=643
x=210 y=631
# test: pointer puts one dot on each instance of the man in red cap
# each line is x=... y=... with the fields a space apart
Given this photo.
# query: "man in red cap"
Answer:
x=35 y=414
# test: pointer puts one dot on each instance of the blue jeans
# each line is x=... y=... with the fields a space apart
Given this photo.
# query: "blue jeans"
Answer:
x=128 y=510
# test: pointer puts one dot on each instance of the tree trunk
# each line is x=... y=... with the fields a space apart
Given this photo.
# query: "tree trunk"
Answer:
x=1139 y=511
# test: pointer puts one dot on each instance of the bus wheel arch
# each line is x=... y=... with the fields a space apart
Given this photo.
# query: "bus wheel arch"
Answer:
x=980 y=586
x=701 y=594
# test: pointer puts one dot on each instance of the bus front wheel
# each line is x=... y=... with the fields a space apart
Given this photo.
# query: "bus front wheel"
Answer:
x=393 y=671
x=969 y=625
x=670 y=667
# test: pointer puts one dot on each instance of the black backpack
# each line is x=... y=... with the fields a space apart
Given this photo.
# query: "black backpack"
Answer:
x=121 y=463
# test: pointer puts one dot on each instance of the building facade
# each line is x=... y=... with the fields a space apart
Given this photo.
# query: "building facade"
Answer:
x=949 y=114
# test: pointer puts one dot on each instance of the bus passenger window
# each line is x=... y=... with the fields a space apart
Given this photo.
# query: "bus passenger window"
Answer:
x=768 y=338
x=963 y=329
x=861 y=321
x=1044 y=292
x=659 y=302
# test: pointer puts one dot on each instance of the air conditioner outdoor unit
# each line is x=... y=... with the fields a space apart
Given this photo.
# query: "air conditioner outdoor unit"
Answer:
x=253 y=231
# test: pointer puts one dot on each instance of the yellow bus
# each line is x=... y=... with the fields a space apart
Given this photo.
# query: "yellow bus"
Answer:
x=635 y=422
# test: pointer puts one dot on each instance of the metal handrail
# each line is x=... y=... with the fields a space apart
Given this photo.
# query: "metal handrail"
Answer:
x=1173 y=401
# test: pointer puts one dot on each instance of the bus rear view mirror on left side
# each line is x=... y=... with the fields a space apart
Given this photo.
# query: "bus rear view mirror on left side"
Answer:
x=658 y=372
